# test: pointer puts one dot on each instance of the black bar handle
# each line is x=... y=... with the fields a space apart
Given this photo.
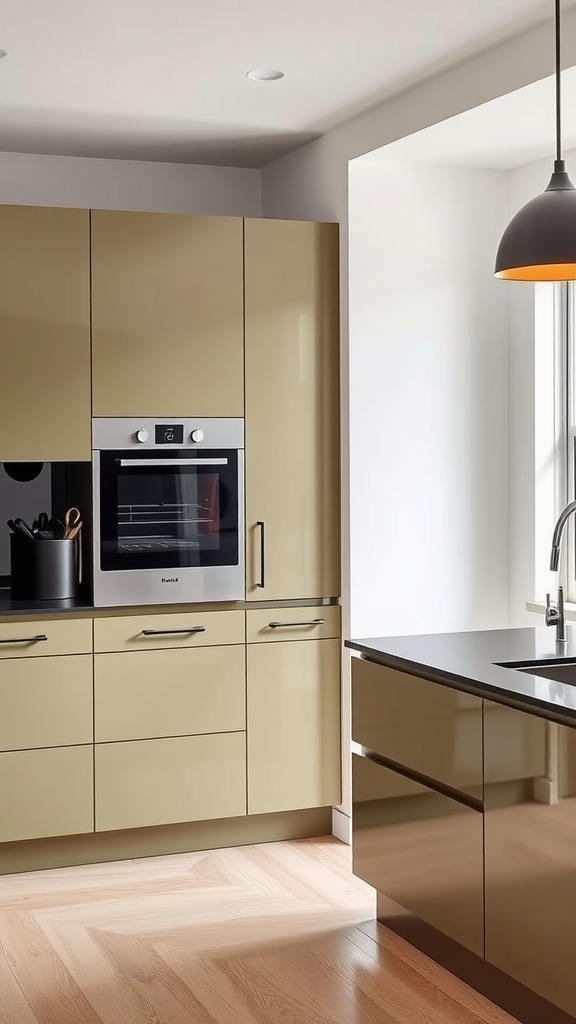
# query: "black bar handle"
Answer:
x=311 y=622
x=167 y=632
x=262 y=555
x=24 y=639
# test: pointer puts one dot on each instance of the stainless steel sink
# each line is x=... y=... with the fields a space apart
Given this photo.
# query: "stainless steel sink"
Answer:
x=562 y=672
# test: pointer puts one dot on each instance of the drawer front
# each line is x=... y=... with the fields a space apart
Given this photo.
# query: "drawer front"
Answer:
x=266 y=625
x=61 y=636
x=182 y=629
x=169 y=693
x=46 y=702
x=419 y=724
x=46 y=793
x=421 y=849
x=160 y=782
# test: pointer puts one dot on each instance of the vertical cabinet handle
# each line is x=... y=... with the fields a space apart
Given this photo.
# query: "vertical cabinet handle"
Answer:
x=262 y=582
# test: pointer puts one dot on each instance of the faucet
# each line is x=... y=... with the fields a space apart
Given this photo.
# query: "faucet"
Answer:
x=555 y=613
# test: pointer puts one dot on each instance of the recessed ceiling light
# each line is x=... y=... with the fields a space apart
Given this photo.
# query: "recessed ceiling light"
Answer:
x=3 y=53
x=265 y=75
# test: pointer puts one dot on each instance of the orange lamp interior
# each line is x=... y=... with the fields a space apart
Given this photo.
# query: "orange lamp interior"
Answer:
x=545 y=272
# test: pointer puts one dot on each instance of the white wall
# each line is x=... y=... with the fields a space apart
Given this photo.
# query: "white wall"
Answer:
x=428 y=400
x=36 y=180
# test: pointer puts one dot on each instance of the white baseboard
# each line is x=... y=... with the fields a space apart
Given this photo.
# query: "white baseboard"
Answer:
x=341 y=826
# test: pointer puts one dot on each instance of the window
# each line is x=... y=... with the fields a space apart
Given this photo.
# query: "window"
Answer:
x=565 y=402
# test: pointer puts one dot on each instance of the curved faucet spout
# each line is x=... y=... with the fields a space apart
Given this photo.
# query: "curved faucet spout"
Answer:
x=557 y=535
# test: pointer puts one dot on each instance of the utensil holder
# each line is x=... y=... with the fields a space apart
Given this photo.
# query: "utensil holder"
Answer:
x=43 y=570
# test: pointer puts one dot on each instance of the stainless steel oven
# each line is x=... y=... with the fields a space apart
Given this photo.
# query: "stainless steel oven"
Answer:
x=168 y=510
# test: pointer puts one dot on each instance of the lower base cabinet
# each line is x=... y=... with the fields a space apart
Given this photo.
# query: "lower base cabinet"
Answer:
x=143 y=783
x=422 y=849
x=46 y=793
x=531 y=855
x=293 y=723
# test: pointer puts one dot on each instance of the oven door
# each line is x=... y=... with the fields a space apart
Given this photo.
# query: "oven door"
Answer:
x=169 y=510
x=168 y=526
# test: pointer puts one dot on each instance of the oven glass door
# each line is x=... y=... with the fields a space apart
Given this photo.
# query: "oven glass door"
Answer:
x=168 y=509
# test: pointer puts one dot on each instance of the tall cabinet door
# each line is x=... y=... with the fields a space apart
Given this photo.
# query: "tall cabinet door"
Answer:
x=292 y=422
x=167 y=315
x=45 y=332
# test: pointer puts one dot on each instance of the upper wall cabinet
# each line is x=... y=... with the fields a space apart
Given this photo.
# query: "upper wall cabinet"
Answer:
x=292 y=400
x=44 y=334
x=167 y=315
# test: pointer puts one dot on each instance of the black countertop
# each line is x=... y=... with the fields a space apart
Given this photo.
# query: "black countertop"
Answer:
x=9 y=607
x=473 y=661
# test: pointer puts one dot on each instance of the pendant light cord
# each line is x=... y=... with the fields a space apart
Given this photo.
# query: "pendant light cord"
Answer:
x=558 y=91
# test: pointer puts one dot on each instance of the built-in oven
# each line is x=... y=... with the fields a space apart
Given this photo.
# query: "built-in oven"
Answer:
x=168 y=511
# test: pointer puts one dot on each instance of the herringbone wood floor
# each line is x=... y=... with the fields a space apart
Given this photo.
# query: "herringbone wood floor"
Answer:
x=281 y=932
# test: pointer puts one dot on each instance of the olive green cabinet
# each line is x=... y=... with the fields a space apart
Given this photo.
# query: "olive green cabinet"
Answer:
x=45 y=334
x=292 y=400
x=293 y=723
x=167 y=315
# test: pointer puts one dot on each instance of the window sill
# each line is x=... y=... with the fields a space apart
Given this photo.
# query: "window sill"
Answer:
x=540 y=608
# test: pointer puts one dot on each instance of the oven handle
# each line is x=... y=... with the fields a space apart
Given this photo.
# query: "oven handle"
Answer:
x=165 y=632
x=173 y=462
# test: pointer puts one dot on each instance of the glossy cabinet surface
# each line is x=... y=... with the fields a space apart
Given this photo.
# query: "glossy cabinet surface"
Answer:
x=163 y=781
x=293 y=722
x=45 y=702
x=431 y=729
x=167 y=315
x=292 y=402
x=531 y=854
x=168 y=630
x=46 y=793
x=45 y=413
x=421 y=849
x=273 y=625
x=169 y=693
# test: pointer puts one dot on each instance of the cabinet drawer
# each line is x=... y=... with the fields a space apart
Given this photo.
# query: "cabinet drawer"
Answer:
x=266 y=625
x=169 y=693
x=419 y=724
x=182 y=629
x=46 y=702
x=46 y=793
x=160 y=782
x=61 y=636
x=421 y=849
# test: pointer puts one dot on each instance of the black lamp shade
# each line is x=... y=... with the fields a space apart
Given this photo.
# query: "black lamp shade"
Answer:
x=539 y=243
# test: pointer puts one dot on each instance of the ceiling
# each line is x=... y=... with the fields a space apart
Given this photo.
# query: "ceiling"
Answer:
x=150 y=80
x=505 y=133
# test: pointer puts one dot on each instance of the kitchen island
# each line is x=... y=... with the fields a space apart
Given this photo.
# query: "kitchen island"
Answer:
x=464 y=805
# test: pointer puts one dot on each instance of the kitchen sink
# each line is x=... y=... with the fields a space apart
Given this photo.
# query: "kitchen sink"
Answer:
x=561 y=671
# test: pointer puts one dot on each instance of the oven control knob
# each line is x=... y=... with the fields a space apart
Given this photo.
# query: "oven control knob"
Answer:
x=197 y=436
x=141 y=435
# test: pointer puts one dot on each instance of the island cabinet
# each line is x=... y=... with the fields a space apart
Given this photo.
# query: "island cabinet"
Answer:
x=417 y=798
x=170 y=718
x=167 y=315
x=292 y=401
x=293 y=711
x=531 y=853
x=46 y=729
x=45 y=330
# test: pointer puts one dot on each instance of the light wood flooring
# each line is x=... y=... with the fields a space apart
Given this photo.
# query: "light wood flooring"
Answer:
x=281 y=932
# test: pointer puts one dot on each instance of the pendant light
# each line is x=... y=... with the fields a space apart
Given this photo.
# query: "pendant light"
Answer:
x=539 y=243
